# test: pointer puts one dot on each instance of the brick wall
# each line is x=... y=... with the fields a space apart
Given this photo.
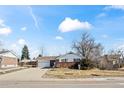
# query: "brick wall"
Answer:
x=65 y=64
x=30 y=64
x=9 y=61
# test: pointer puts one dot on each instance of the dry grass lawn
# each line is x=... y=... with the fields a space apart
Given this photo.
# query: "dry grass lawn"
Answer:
x=64 y=73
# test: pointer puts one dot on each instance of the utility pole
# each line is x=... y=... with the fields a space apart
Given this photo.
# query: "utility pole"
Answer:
x=42 y=51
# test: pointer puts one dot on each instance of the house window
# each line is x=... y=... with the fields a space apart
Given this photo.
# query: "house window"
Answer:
x=63 y=60
x=77 y=60
x=57 y=60
x=114 y=62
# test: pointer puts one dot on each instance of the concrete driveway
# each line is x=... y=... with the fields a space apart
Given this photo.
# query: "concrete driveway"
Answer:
x=30 y=74
x=32 y=78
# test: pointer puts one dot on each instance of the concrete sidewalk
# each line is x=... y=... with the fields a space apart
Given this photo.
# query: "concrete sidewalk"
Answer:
x=35 y=74
x=8 y=70
x=30 y=74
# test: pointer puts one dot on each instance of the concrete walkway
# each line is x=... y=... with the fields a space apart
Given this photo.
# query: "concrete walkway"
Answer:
x=35 y=74
x=30 y=74
x=8 y=70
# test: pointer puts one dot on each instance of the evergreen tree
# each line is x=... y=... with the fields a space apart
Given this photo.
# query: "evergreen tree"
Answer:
x=25 y=53
x=39 y=55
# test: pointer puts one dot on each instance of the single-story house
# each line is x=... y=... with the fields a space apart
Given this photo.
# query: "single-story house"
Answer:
x=8 y=59
x=46 y=61
x=110 y=62
x=68 y=60
x=28 y=63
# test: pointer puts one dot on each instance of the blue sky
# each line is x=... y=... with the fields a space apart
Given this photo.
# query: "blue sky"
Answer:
x=54 y=28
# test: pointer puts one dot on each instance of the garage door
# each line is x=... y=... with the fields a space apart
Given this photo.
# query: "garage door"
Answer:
x=43 y=64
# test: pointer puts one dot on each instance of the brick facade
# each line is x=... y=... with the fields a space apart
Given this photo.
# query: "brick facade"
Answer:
x=29 y=64
x=9 y=62
x=66 y=64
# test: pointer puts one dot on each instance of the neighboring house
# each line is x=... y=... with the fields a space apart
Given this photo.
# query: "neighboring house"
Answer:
x=28 y=63
x=46 y=61
x=110 y=62
x=8 y=59
x=68 y=60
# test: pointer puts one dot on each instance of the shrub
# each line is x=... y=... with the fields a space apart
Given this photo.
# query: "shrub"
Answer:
x=86 y=64
x=75 y=66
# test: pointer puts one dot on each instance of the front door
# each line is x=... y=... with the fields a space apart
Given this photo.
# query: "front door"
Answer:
x=52 y=62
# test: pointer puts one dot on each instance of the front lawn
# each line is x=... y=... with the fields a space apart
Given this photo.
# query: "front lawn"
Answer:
x=64 y=73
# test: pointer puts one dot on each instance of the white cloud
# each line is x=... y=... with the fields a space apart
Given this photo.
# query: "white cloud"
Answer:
x=21 y=41
x=121 y=7
x=105 y=36
x=34 y=53
x=73 y=24
x=24 y=28
x=5 y=31
x=101 y=15
x=55 y=50
x=17 y=46
x=120 y=46
x=2 y=23
x=33 y=17
x=59 y=38
x=14 y=45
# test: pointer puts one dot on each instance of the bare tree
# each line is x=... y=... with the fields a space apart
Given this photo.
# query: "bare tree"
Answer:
x=120 y=53
x=87 y=47
x=96 y=53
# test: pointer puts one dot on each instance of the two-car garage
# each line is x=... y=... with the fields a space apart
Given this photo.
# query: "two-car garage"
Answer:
x=43 y=64
x=46 y=61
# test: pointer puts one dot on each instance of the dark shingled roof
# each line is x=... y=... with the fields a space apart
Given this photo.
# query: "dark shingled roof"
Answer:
x=4 y=51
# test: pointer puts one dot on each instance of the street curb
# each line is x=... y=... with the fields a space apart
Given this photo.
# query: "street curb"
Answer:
x=51 y=79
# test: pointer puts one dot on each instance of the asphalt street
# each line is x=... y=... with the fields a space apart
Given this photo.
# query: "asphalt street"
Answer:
x=62 y=84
